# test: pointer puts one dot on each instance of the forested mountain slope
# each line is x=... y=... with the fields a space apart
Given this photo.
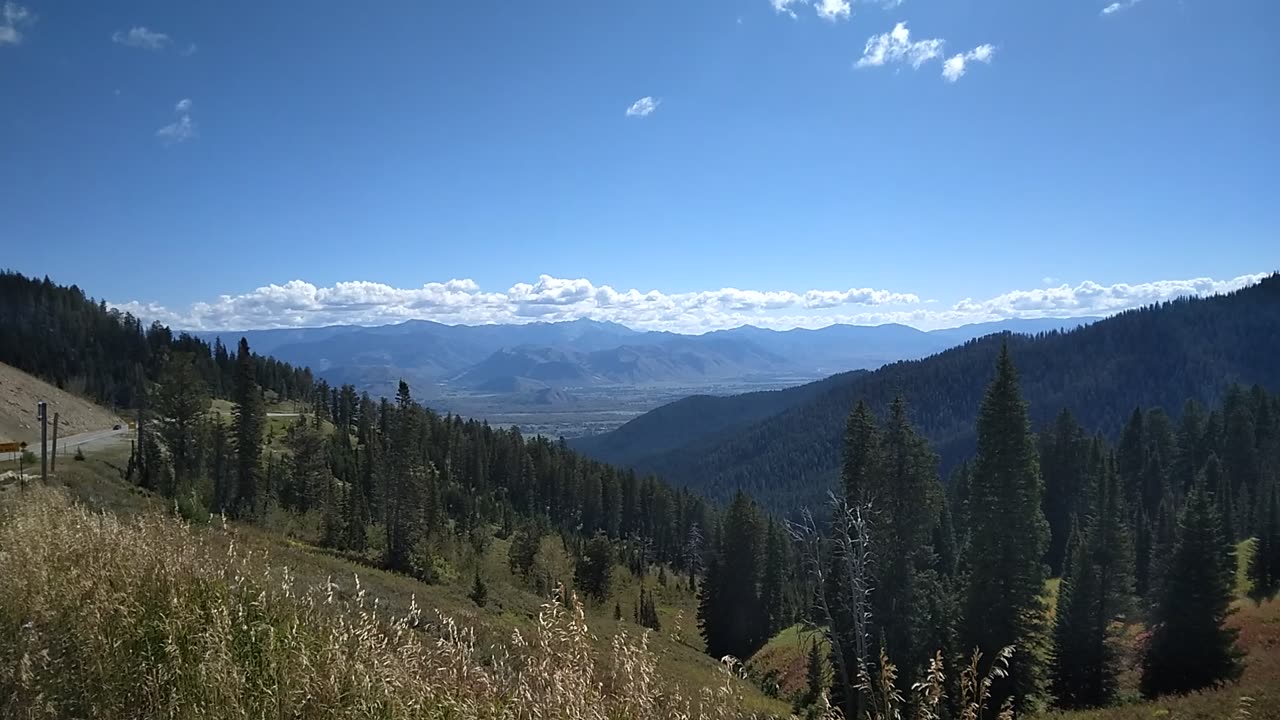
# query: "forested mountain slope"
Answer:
x=698 y=419
x=62 y=336
x=1162 y=355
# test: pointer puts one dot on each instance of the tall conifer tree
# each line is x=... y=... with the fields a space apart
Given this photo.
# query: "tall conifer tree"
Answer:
x=1191 y=647
x=1004 y=603
x=248 y=418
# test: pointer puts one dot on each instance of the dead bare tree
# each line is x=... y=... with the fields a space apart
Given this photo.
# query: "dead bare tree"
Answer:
x=848 y=549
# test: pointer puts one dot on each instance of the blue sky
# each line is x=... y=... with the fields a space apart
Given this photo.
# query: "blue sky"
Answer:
x=163 y=155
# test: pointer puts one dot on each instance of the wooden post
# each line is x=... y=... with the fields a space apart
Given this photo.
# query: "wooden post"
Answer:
x=42 y=411
x=53 y=462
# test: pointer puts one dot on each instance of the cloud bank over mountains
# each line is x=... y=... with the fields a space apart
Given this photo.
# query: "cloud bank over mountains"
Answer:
x=298 y=303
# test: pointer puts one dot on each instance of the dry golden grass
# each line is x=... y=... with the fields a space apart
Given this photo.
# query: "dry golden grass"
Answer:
x=102 y=617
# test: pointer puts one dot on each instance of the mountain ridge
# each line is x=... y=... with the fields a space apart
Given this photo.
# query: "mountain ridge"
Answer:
x=599 y=353
x=1161 y=355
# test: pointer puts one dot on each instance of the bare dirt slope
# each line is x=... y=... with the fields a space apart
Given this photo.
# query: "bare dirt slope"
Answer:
x=19 y=393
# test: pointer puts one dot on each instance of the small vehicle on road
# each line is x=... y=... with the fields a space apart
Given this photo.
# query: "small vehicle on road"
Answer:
x=116 y=426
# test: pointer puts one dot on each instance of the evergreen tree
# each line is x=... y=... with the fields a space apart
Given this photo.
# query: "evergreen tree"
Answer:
x=1131 y=458
x=1004 y=602
x=594 y=569
x=1219 y=483
x=1264 y=563
x=1191 y=647
x=1142 y=555
x=479 y=593
x=1063 y=455
x=1093 y=600
x=861 y=455
x=248 y=417
x=1240 y=456
x=646 y=613
x=406 y=476
x=181 y=402
x=815 y=675
x=773 y=582
x=524 y=550
x=729 y=613
x=905 y=497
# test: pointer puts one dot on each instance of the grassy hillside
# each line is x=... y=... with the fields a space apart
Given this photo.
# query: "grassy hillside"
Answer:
x=70 y=568
x=19 y=393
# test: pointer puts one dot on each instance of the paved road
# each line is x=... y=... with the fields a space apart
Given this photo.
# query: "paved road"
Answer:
x=86 y=440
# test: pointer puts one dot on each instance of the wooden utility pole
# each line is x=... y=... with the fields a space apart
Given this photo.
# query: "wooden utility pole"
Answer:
x=53 y=462
x=42 y=413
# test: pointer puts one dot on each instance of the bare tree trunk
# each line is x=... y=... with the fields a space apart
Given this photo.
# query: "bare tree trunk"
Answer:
x=849 y=545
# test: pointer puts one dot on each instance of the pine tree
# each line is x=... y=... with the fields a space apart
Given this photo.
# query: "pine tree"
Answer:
x=1094 y=597
x=1004 y=602
x=772 y=582
x=646 y=612
x=479 y=593
x=1131 y=458
x=861 y=455
x=524 y=550
x=248 y=417
x=406 y=475
x=1142 y=555
x=1190 y=647
x=594 y=569
x=1264 y=564
x=1063 y=455
x=905 y=497
x=181 y=403
x=815 y=675
x=1219 y=483
x=729 y=613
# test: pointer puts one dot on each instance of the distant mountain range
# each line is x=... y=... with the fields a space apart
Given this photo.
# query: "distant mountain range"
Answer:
x=783 y=447
x=587 y=353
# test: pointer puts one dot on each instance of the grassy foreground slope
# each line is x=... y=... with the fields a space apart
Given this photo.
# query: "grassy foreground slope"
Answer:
x=112 y=609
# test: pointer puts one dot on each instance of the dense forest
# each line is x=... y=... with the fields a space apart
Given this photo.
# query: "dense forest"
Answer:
x=1142 y=533
x=1158 y=356
x=62 y=336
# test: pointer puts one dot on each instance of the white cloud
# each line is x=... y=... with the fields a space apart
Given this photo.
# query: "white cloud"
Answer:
x=1091 y=298
x=953 y=68
x=1116 y=7
x=189 y=51
x=300 y=304
x=643 y=107
x=182 y=129
x=833 y=10
x=785 y=6
x=141 y=37
x=14 y=16
x=896 y=46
